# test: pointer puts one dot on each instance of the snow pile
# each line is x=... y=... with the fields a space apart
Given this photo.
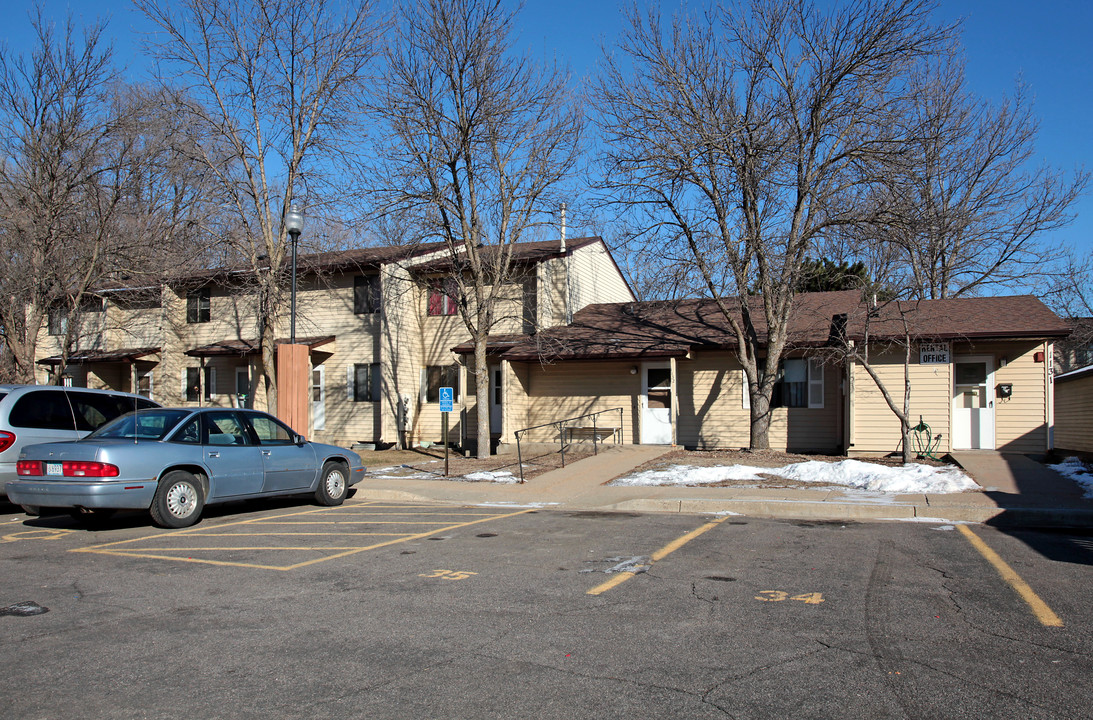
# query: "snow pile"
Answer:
x=848 y=473
x=1076 y=470
x=500 y=476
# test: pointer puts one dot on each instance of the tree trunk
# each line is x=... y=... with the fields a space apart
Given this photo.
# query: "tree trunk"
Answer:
x=482 y=395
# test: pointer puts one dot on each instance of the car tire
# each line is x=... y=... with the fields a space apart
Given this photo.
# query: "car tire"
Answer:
x=32 y=510
x=333 y=484
x=178 y=501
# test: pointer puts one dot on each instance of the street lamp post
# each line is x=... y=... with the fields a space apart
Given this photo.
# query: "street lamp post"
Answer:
x=294 y=224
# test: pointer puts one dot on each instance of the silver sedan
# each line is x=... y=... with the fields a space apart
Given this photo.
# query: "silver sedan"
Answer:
x=174 y=461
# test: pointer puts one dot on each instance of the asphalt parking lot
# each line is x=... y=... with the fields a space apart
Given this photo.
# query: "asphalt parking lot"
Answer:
x=379 y=609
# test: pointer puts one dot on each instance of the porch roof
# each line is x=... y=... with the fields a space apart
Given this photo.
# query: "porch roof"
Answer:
x=84 y=357
x=251 y=347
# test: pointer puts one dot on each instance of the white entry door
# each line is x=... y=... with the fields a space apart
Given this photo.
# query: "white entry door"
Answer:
x=656 y=404
x=318 y=397
x=973 y=403
x=495 y=399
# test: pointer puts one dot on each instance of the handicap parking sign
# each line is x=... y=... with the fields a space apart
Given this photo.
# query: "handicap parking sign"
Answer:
x=446 y=399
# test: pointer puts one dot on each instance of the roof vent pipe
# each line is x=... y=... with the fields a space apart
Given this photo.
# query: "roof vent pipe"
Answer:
x=563 y=227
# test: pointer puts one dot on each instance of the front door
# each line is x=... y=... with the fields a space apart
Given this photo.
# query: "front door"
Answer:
x=656 y=404
x=973 y=403
x=495 y=399
x=318 y=398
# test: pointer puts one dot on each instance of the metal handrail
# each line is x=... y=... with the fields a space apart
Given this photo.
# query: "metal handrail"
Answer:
x=562 y=425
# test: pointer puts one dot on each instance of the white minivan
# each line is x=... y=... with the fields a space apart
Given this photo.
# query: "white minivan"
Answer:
x=32 y=414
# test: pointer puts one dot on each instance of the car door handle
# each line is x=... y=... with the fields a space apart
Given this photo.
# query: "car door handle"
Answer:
x=214 y=453
x=267 y=452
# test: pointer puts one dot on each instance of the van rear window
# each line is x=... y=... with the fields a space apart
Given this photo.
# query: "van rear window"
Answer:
x=94 y=410
x=43 y=410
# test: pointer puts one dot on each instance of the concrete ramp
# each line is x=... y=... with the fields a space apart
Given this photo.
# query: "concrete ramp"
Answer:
x=1016 y=474
x=587 y=475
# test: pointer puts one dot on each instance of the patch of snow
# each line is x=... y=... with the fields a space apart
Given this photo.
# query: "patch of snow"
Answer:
x=500 y=476
x=1077 y=471
x=906 y=479
x=502 y=504
x=723 y=513
x=945 y=523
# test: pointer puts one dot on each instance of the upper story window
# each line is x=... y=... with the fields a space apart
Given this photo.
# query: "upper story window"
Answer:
x=366 y=294
x=198 y=306
x=58 y=320
x=442 y=298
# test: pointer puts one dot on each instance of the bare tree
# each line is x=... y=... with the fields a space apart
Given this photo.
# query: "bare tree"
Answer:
x=481 y=139
x=962 y=207
x=739 y=137
x=274 y=89
x=84 y=187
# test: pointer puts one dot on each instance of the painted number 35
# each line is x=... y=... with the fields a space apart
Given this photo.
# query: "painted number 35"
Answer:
x=780 y=595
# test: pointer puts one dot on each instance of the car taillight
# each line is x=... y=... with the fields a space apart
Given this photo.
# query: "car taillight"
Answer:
x=85 y=468
x=7 y=439
x=29 y=467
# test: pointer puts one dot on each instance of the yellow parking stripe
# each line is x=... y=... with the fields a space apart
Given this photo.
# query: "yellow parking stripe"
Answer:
x=339 y=551
x=668 y=549
x=1040 y=609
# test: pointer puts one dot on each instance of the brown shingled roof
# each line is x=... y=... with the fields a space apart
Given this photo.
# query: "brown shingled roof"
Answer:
x=522 y=252
x=101 y=356
x=250 y=347
x=674 y=328
x=1012 y=316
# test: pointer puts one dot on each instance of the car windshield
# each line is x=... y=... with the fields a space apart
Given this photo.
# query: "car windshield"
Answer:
x=141 y=425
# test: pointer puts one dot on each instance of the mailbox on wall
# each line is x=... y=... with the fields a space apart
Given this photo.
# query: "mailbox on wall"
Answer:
x=1005 y=390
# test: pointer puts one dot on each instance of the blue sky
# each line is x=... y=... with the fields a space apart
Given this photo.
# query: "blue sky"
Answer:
x=1045 y=43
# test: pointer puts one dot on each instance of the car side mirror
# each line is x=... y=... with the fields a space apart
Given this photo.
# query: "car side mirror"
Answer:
x=300 y=440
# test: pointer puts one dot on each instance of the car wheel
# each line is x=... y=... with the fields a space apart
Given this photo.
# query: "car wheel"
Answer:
x=179 y=500
x=333 y=484
x=32 y=510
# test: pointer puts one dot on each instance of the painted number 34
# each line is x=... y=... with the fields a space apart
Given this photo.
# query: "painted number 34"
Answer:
x=780 y=595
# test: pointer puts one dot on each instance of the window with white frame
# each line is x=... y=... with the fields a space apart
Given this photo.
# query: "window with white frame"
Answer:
x=800 y=384
x=435 y=377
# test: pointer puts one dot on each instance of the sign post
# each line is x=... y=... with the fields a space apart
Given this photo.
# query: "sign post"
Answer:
x=447 y=396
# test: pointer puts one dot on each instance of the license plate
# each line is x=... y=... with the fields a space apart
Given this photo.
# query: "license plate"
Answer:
x=54 y=469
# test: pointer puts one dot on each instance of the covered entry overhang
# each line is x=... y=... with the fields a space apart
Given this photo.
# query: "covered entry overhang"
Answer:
x=88 y=357
x=243 y=348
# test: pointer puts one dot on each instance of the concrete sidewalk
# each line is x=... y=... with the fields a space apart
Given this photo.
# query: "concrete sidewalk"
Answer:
x=1018 y=492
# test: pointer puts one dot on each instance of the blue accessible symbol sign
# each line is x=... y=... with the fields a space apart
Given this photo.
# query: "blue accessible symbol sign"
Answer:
x=446 y=399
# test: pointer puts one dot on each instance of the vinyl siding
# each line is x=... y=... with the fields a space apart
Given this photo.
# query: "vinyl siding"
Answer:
x=596 y=278
x=876 y=428
x=1074 y=415
x=712 y=413
x=1020 y=421
x=567 y=390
